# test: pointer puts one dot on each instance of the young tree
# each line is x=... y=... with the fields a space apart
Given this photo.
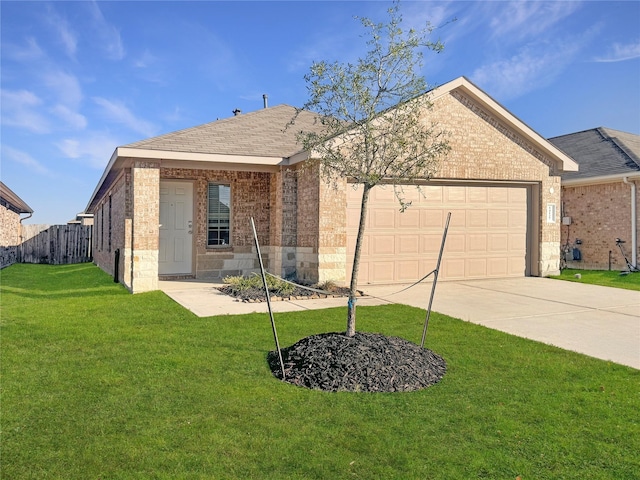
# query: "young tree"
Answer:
x=372 y=114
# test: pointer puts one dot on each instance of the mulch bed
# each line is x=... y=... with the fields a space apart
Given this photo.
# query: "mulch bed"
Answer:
x=367 y=362
x=255 y=295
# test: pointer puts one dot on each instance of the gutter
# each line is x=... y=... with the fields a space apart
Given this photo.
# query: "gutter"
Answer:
x=634 y=222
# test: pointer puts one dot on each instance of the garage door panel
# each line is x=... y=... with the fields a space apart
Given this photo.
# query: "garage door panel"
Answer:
x=430 y=244
x=409 y=219
x=408 y=271
x=382 y=272
x=455 y=195
x=433 y=194
x=517 y=242
x=498 y=267
x=498 y=195
x=382 y=245
x=455 y=243
x=476 y=268
x=430 y=218
x=477 y=243
x=477 y=218
x=498 y=242
x=517 y=219
x=498 y=218
x=486 y=238
x=453 y=268
x=408 y=244
x=383 y=218
x=477 y=195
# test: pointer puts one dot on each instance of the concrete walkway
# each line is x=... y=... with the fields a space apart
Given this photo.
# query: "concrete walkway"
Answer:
x=601 y=322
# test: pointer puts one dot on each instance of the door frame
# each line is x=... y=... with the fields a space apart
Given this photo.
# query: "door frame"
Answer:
x=191 y=273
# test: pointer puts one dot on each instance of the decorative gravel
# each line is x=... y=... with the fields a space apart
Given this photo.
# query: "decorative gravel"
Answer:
x=367 y=362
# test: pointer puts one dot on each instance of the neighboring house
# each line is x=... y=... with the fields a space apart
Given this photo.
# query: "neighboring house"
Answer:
x=179 y=205
x=11 y=207
x=82 y=219
x=600 y=202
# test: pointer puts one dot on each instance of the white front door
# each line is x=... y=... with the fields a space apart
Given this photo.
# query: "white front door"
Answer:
x=176 y=228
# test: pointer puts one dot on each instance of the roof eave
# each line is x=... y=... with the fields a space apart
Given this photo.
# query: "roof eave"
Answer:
x=123 y=156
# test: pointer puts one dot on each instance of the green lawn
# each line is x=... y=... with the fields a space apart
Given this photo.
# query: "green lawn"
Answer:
x=602 y=277
x=101 y=384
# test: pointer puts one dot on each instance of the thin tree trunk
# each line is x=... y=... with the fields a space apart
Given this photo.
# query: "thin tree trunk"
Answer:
x=351 y=306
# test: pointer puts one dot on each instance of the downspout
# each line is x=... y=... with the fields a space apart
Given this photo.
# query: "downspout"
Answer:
x=634 y=222
x=25 y=218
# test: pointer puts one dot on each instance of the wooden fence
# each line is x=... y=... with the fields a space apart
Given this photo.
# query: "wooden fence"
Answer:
x=56 y=244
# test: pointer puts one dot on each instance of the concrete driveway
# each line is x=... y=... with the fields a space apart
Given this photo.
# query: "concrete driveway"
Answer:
x=601 y=322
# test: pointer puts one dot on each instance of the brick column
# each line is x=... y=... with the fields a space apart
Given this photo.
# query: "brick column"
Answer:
x=145 y=228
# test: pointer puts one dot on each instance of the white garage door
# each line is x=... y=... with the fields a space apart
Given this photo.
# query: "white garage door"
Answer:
x=486 y=238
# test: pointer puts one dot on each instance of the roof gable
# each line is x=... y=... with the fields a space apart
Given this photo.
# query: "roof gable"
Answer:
x=601 y=152
x=563 y=161
x=12 y=201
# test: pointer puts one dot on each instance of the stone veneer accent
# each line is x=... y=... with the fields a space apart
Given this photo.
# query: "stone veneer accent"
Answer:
x=599 y=214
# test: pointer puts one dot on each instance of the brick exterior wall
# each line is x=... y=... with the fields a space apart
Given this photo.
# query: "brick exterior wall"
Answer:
x=108 y=230
x=599 y=214
x=10 y=231
x=301 y=221
x=9 y=236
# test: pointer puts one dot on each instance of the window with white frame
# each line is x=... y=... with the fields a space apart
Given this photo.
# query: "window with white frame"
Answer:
x=219 y=215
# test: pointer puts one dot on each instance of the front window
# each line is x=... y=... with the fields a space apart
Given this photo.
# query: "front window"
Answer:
x=219 y=215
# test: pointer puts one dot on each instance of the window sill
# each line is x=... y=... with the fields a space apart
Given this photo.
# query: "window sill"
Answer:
x=215 y=249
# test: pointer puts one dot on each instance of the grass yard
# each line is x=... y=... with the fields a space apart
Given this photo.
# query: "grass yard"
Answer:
x=101 y=384
x=602 y=277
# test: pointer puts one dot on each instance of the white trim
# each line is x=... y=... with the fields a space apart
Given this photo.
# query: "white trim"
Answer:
x=618 y=177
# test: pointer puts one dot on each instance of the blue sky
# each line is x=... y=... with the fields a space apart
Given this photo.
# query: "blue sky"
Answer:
x=79 y=79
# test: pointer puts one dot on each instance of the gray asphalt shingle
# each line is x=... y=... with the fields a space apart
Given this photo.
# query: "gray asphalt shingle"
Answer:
x=600 y=152
x=262 y=133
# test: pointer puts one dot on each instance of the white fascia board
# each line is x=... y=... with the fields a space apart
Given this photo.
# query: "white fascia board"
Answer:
x=618 y=177
x=566 y=162
x=142 y=153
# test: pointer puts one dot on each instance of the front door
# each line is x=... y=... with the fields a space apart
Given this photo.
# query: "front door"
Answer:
x=176 y=228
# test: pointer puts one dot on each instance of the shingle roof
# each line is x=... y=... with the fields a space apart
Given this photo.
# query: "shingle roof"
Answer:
x=600 y=152
x=263 y=133
x=13 y=201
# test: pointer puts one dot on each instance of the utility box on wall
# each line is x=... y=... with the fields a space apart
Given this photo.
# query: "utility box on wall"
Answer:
x=566 y=220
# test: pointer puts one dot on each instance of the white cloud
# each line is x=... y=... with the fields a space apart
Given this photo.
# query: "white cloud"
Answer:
x=94 y=149
x=65 y=33
x=119 y=113
x=110 y=39
x=26 y=160
x=23 y=53
x=65 y=88
x=528 y=19
x=70 y=117
x=20 y=108
x=620 y=53
x=532 y=68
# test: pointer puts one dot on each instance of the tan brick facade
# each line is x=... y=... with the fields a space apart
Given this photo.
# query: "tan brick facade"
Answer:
x=301 y=221
x=599 y=214
x=10 y=231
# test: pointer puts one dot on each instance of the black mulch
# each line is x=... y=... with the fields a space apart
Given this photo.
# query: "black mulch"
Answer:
x=367 y=362
x=252 y=295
